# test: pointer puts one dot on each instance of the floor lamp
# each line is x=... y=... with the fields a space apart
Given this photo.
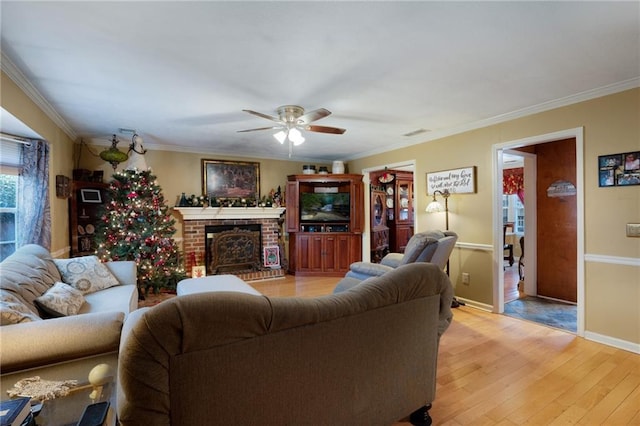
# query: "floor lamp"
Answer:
x=434 y=207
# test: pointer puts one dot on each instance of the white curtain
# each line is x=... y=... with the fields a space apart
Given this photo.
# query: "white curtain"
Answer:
x=34 y=215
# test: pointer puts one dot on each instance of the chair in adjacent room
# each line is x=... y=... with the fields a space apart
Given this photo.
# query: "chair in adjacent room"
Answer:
x=508 y=247
x=521 y=260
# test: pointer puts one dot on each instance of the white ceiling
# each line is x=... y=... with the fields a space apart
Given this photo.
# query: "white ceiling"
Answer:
x=181 y=72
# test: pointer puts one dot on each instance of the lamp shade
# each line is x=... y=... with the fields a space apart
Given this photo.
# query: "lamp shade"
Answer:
x=295 y=136
x=280 y=136
x=434 y=207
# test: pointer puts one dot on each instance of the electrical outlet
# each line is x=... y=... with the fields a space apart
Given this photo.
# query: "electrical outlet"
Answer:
x=633 y=229
x=465 y=278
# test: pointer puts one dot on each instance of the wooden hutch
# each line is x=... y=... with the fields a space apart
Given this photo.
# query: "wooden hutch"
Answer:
x=398 y=192
x=325 y=215
x=85 y=206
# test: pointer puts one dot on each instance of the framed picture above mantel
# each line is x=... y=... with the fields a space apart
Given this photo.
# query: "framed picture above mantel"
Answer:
x=231 y=179
x=456 y=181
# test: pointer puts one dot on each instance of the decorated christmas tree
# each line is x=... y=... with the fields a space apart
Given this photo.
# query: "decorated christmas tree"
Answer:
x=136 y=225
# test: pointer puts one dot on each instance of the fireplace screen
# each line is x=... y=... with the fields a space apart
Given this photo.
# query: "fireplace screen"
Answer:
x=233 y=248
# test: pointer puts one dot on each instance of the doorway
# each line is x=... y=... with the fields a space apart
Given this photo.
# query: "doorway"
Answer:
x=543 y=225
x=407 y=166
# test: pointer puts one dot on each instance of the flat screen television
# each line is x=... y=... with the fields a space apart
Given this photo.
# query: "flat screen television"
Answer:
x=324 y=207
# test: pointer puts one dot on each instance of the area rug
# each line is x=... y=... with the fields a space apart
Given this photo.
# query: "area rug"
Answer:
x=548 y=312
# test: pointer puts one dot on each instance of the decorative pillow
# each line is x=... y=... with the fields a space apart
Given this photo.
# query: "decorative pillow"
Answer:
x=85 y=273
x=60 y=300
x=13 y=311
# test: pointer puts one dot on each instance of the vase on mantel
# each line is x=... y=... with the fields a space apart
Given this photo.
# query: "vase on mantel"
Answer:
x=183 y=201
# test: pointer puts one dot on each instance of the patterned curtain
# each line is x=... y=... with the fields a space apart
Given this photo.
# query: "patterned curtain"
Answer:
x=513 y=182
x=34 y=215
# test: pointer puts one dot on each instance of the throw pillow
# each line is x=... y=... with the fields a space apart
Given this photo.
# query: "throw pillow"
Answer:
x=60 y=300
x=13 y=311
x=86 y=273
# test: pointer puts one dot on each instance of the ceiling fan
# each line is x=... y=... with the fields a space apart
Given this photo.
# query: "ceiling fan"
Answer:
x=291 y=120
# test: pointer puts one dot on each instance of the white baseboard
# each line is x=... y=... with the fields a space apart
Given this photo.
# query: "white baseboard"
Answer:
x=612 y=341
x=475 y=304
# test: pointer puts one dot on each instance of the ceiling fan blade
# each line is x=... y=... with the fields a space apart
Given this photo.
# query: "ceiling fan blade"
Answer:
x=314 y=115
x=260 y=128
x=259 y=114
x=325 y=129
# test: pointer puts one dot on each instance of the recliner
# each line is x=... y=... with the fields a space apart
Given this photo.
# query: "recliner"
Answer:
x=430 y=246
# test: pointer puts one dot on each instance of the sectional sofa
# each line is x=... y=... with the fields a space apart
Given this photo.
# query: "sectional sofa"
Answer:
x=55 y=332
x=364 y=356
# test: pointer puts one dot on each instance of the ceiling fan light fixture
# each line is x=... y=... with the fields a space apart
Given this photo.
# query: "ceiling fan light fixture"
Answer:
x=296 y=137
x=280 y=136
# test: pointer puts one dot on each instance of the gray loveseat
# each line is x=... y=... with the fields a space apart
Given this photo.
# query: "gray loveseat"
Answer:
x=365 y=356
x=66 y=347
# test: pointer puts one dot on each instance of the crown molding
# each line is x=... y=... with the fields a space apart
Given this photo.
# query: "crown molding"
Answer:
x=14 y=73
x=610 y=89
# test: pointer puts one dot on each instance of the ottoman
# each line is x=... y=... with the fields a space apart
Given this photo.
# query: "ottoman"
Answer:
x=214 y=283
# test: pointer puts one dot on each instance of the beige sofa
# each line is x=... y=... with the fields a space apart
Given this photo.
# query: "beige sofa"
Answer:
x=66 y=347
x=365 y=356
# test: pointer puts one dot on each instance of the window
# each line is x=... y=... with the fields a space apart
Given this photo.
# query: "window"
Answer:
x=513 y=211
x=9 y=163
x=8 y=197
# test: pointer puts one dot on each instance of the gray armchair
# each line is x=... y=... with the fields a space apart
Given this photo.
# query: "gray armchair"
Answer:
x=429 y=246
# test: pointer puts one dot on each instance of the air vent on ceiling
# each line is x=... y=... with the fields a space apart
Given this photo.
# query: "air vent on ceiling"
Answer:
x=416 y=132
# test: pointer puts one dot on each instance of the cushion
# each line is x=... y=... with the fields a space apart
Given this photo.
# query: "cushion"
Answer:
x=414 y=247
x=86 y=273
x=28 y=273
x=13 y=311
x=369 y=269
x=60 y=300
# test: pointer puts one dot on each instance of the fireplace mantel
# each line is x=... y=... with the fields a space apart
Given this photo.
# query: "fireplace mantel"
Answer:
x=215 y=213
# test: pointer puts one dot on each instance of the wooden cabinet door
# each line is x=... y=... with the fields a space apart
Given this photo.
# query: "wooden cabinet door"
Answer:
x=403 y=235
x=357 y=203
x=309 y=248
x=349 y=250
x=292 y=209
x=330 y=253
x=404 y=201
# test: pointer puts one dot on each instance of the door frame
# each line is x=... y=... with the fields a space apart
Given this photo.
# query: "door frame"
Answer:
x=409 y=165
x=498 y=275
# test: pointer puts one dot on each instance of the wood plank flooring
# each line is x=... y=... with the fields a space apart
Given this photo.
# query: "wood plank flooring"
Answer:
x=496 y=370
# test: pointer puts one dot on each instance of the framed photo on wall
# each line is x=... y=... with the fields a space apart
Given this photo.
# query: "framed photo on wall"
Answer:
x=619 y=169
x=231 y=179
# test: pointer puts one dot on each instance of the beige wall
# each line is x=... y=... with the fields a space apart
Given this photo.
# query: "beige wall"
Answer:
x=13 y=99
x=611 y=125
x=179 y=172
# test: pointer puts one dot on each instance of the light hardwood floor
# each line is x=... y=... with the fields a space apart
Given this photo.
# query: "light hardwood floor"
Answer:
x=496 y=370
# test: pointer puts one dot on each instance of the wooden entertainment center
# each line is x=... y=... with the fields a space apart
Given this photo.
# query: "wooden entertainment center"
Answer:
x=325 y=220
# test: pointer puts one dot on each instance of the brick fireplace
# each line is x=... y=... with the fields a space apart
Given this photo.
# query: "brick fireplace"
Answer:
x=196 y=219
